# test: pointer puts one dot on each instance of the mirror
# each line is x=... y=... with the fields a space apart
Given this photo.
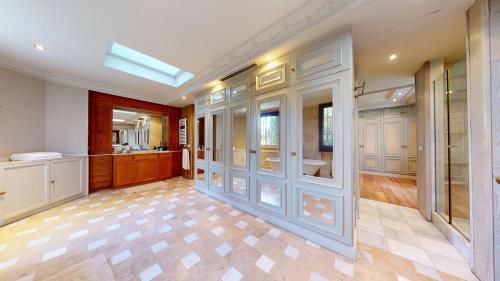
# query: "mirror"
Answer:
x=239 y=137
x=318 y=134
x=218 y=137
x=200 y=125
x=269 y=136
x=319 y=209
x=134 y=130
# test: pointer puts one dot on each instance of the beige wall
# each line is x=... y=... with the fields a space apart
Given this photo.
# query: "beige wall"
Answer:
x=40 y=116
x=155 y=131
x=22 y=113
x=66 y=119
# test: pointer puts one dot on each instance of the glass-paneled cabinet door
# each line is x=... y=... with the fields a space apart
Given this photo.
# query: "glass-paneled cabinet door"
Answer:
x=270 y=138
x=201 y=137
x=239 y=136
x=217 y=135
x=319 y=135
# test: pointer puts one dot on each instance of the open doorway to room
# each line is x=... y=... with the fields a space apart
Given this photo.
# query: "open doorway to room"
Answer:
x=387 y=152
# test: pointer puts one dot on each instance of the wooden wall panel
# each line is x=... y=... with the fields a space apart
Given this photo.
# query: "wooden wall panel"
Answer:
x=100 y=133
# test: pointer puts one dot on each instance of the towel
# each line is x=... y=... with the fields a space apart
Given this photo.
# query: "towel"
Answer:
x=185 y=159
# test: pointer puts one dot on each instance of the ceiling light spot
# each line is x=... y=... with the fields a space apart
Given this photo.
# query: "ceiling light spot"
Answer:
x=269 y=57
x=118 y=120
x=399 y=94
x=39 y=47
x=394 y=100
x=393 y=57
x=124 y=111
x=183 y=97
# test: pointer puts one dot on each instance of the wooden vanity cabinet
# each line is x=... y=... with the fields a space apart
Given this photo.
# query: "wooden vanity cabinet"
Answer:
x=123 y=170
x=145 y=167
x=164 y=165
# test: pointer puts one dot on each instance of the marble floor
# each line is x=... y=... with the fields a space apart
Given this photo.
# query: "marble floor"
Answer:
x=168 y=231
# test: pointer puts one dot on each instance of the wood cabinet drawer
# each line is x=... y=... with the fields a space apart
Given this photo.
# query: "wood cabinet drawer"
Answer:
x=123 y=159
x=146 y=156
x=165 y=155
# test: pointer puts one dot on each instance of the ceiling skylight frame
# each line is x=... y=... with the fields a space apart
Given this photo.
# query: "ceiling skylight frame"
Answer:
x=133 y=62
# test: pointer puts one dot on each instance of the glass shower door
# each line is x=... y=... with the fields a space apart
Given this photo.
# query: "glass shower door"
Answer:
x=452 y=161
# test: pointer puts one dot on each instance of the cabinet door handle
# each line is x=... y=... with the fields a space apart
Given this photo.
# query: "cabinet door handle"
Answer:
x=252 y=151
x=2 y=193
x=497 y=179
x=294 y=153
x=52 y=181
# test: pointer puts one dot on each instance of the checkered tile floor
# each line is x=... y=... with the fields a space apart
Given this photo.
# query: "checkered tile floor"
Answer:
x=172 y=232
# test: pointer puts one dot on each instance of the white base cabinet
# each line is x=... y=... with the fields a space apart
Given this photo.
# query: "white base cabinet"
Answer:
x=30 y=187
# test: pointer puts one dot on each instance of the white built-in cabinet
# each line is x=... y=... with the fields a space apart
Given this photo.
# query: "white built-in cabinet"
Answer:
x=387 y=140
x=256 y=147
x=28 y=187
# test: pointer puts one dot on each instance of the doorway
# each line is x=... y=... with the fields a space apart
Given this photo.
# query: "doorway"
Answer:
x=388 y=146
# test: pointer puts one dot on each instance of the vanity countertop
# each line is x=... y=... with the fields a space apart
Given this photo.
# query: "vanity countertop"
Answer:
x=142 y=152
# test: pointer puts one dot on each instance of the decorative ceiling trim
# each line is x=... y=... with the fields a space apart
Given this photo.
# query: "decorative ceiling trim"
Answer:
x=308 y=15
x=66 y=80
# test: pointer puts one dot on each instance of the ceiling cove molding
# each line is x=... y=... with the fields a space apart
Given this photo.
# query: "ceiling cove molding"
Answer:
x=69 y=81
x=305 y=17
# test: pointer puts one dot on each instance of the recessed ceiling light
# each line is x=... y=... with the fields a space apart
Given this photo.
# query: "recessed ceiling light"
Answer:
x=183 y=97
x=269 y=57
x=124 y=111
x=399 y=94
x=393 y=57
x=39 y=47
x=394 y=100
x=118 y=120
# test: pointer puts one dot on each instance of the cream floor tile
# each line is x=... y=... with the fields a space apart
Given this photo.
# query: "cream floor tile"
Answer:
x=163 y=241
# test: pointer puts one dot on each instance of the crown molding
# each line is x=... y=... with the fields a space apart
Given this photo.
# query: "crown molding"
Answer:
x=301 y=19
x=69 y=81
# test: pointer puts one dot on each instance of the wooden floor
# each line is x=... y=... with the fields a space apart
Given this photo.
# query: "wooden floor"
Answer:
x=398 y=191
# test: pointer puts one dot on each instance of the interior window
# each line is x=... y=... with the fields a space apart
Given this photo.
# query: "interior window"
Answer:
x=269 y=128
x=326 y=127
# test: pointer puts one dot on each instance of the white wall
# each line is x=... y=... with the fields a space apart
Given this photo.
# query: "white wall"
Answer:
x=22 y=113
x=66 y=119
x=41 y=116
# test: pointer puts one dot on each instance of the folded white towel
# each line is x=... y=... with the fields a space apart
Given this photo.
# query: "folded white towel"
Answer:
x=185 y=159
x=32 y=156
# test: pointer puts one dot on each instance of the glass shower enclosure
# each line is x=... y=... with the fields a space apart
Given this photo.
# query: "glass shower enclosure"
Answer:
x=452 y=191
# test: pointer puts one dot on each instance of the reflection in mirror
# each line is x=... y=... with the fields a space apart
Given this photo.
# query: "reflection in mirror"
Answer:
x=318 y=134
x=200 y=124
x=269 y=136
x=138 y=131
x=239 y=137
x=239 y=185
x=217 y=180
x=270 y=194
x=200 y=175
x=319 y=209
x=217 y=136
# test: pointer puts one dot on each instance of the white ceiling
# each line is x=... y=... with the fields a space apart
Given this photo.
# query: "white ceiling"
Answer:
x=199 y=35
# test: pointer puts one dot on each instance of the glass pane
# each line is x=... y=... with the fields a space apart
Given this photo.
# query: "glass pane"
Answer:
x=200 y=175
x=217 y=180
x=320 y=209
x=318 y=134
x=217 y=137
x=270 y=194
x=239 y=137
x=458 y=143
x=441 y=146
x=269 y=136
x=200 y=125
x=239 y=185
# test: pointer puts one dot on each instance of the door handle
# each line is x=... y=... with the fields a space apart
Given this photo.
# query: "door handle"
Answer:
x=497 y=179
x=207 y=149
x=2 y=194
x=294 y=153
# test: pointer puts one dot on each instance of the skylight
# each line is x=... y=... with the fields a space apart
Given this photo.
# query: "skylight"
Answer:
x=136 y=63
